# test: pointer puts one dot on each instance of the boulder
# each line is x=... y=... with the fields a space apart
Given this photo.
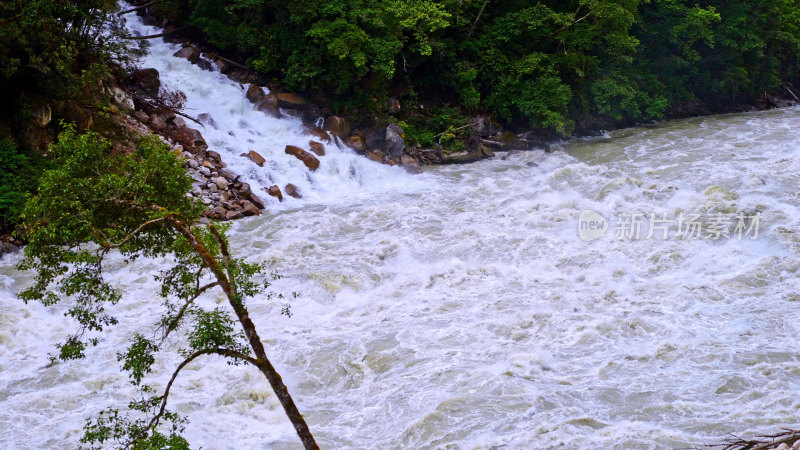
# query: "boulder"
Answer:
x=275 y=191
x=189 y=52
x=205 y=64
x=189 y=138
x=233 y=215
x=222 y=65
x=356 y=143
x=291 y=101
x=318 y=133
x=243 y=189
x=462 y=157
x=291 y=191
x=255 y=93
x=269 y=105
x=308 y=159
x=375 y=138
x=410 y=164
x=317 y=148
x=254 y=156
x=220 y=182
x=338 y=126
x=158 y=122
x=121 y=98
x=145 y=81
x=392 y=106
x=484 y=126
x=206 y=119
x=71 y=111
x=249 y=209
x=214 y=156
x=376 y=156
x=395 y=143
x=220 y=212
x=229 y=174
x=177 y=122
x=42 y=115
x=256 y=200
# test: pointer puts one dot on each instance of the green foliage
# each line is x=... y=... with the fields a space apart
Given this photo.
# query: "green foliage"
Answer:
x=541 y=64
x=18 y=174
x=93 y=202
x=55 y=49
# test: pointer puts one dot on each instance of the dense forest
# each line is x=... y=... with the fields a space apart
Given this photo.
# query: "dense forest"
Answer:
x=73 y=171
x=554 y=66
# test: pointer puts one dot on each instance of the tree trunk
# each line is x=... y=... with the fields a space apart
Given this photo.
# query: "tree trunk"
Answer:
x=228 y=286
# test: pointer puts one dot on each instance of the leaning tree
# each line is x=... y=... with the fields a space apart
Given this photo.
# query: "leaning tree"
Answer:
x=94 y=203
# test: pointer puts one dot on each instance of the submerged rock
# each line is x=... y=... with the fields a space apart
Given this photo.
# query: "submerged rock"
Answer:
x=395 y=142
x=189 y=52
x=255 y=93
x=308 y=159
x=145 y=81
x=291 y=101
x=338 y=126
x=356 y=143
x=317 y=148
x=291 y=191
x=253 y=155
x=275 y=191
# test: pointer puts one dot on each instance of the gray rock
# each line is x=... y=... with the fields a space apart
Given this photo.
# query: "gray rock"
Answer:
x=189 y=52
x=395 y=144
x=206 y=119
x=221 y=182
x=43 y=115
x=121 y=98
x=227 y=173
x=145 y=81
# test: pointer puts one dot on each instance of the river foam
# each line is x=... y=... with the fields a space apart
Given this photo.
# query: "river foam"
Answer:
x=460 y=308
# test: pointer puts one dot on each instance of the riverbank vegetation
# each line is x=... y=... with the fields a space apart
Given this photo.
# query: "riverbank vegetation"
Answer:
x=135 y=205
x=555 y=66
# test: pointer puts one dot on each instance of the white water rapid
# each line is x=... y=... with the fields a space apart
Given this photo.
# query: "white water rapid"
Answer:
x=460 y=308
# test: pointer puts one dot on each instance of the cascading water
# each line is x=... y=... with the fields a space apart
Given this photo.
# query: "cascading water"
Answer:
x=460 y=308
x=237 y=128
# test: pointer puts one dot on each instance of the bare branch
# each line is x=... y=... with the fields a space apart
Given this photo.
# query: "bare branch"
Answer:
x=173 y=324
x=139 y=7
x=474 y=24
x=155 y=103
x=212 y=351
x=153 y=36
x=132 y=234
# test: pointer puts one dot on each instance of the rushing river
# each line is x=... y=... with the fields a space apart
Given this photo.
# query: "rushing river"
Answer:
x=460 y=308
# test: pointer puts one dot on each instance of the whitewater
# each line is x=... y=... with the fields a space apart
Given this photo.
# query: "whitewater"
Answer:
x=460 y=308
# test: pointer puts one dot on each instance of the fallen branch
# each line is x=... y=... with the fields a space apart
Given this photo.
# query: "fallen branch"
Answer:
x=474 y=24
x=233 y=63
x=139 y=7
x=153 y=36
x=156 y=104
x=790 y=91
x=788 y=437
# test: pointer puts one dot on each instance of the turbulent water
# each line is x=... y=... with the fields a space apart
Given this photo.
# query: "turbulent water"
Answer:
x=460 y=308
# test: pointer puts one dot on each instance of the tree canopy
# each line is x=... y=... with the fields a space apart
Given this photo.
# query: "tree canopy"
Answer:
x=92 y=203
x=543 y=63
